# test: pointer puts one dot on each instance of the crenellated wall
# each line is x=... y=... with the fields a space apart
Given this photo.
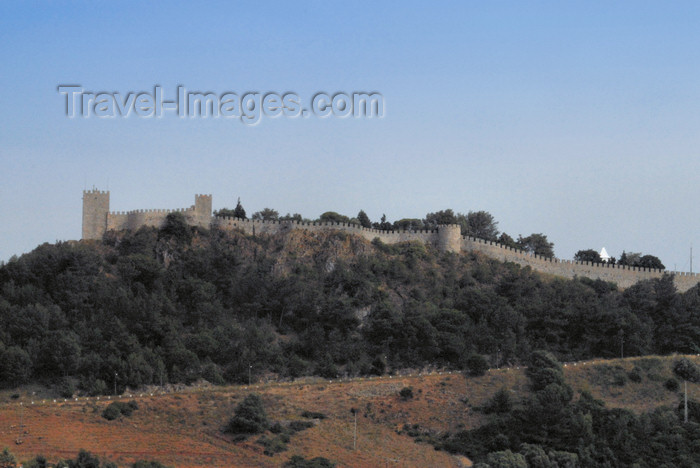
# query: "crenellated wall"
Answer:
x=624 y=276
x=254 y=227
x=97 y=219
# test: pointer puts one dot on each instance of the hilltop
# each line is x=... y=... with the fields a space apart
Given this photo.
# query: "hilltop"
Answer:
x=178 y=304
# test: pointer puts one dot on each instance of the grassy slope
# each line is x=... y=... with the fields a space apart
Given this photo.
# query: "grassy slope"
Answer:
x=183 y=430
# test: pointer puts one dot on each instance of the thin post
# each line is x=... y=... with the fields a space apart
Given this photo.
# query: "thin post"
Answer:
x=354 y=442
x=685 y=408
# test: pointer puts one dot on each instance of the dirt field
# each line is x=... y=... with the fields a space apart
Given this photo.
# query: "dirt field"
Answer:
x=185 y=429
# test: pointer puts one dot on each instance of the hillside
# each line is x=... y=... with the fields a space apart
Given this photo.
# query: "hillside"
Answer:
x=178 y=304
x=184 y=429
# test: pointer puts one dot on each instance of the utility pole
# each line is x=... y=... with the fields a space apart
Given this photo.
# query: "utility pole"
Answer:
x=21 y=424
x=621 y=334
x=354 y=438
x=685 y=409
x=250 y=369
x=115 y=383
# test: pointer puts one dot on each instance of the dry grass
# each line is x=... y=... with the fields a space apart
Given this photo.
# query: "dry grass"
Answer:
x=184 y=430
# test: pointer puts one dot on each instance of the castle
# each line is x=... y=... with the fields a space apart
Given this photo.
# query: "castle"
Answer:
x=97 y=219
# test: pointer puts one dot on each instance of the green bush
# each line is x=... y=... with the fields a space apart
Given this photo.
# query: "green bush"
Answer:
x=476 y=365
x=148 y=464
x=272 y=445
x=406 y=393
x=313 y=415
x=249 y=417
x=501 y=402
x=117 y=408
x=38 y=462
x=671 y=385
x=298 y=426
x=300 y=462
x=112 y=412
x=635 y=375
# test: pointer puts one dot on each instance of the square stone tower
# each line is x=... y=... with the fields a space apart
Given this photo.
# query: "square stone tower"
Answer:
x=95 y=212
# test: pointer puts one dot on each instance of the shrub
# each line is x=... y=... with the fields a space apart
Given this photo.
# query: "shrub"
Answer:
x=406 y=393
x=148 y=464
x=66 y=387
x=476 y=365
x=500 y=402
x=112 y=412
x=7 y=460
x=300 y=462
x=298 y=426
x=313 y=415
x=249 y=417
x=276 y=428
x=117 y=408
x=272 y=445
x=38 y=462
x=671 y=385
x=635 y=375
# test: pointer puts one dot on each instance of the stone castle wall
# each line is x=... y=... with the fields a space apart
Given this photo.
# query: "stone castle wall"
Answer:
x=623 y=276
x=97 y=219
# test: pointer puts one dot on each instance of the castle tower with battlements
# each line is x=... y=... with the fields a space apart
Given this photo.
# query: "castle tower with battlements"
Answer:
x=95 y=213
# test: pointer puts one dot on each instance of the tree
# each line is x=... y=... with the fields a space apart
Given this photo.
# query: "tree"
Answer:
x=537 y=244
x=409 y=224
x=588 y=255
x=688 y=371
x=433 y=220
x=650 y=261
x=364 y=219
x=15 y=367
x=501 y=402
x=630 y=259
x=480 y=224
x=333 y=217
x=176 y=227
x=383 y=224
x=506 y=459
x=239 y=212
x=636 y=259
x=476 y=365
x=266 y=214
x=292 y=217
x=249 y=417
x=543 y=370
x=507 y=241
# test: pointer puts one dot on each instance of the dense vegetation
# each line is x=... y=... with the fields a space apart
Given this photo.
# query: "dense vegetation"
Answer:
x=551 y=429
x=179 y=303
x=84 y=459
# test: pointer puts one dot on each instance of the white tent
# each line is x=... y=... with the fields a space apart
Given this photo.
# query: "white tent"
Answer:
x=604 y=255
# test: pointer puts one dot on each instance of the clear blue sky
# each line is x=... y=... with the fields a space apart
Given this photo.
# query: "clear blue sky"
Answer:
x=580 y=120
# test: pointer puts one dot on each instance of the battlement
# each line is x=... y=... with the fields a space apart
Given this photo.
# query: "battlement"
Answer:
x=97 y=219
x=105 y=192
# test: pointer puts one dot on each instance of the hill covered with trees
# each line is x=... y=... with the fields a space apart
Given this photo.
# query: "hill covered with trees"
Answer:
x=178 y=304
